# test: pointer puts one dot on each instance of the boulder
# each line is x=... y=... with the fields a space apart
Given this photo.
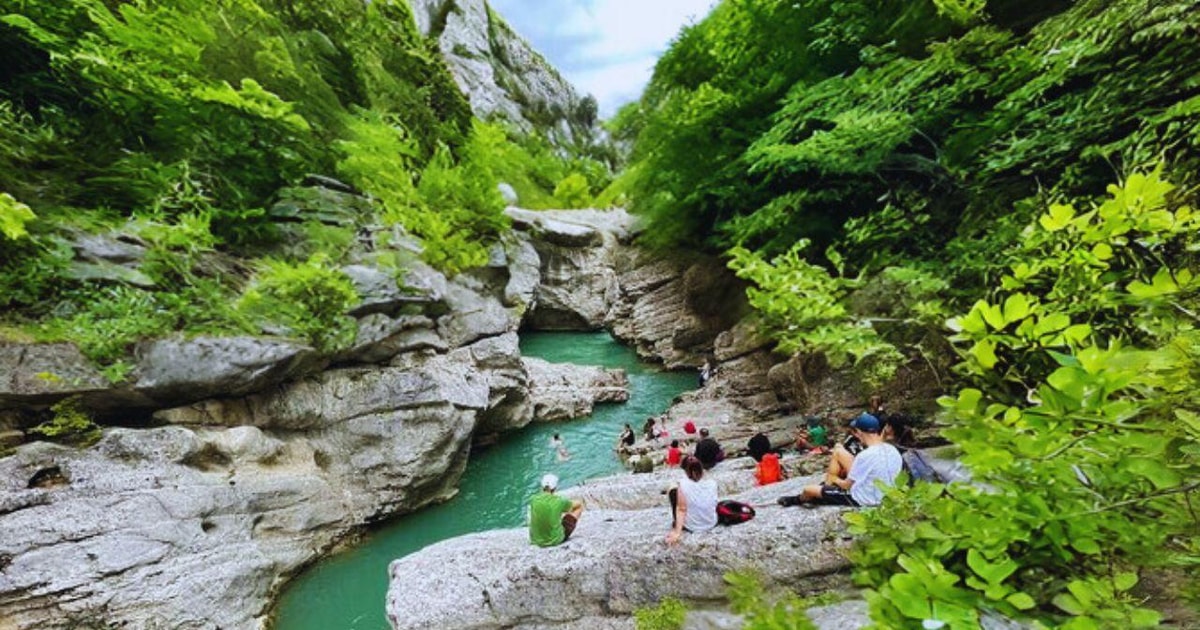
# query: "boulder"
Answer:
x=615 y=563
x=177 y=371
x=377 y=291
x=343 y=395
x=380 y=338
x=561 y=391
x=498 y=360
x=473 y=316
x=42 y=373
x=175 y=527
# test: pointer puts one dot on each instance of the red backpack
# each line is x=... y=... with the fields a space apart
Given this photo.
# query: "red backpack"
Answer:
x=731 y=512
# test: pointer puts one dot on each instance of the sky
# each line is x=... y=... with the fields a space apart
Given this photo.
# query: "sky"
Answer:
x=606 y=48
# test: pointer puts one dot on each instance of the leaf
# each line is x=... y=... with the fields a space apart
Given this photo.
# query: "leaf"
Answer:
x=1057 y=218
x=1016 y=308
x=1156 y=471
x=1068 y=604
x=985 y=352
x=1021 y=601
x=993 y=572
x=1102 y=251
x=1125 y=580
x=1145 y=618
x=993 y=315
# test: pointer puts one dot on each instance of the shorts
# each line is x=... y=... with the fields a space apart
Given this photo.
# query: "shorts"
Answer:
x=833 y=495
x=568 y=521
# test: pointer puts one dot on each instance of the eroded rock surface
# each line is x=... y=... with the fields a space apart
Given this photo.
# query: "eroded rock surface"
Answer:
x=614 y=563
x=561 y=391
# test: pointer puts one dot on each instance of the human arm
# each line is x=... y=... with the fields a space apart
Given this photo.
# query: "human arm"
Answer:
x=680 y=515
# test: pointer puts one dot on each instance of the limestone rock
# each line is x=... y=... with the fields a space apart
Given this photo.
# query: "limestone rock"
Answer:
x=508 y=192
x=343 y=395
x=380 y=338
x=561 y=391
x=179 y=528
x=614 y=563
x=498 y=360
x=501 y=75
x=177 y=370
x=377 y=290
x=473 y=316
x=42 y=373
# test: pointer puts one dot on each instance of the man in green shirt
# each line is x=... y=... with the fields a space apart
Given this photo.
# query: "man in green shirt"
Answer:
x=552 y=518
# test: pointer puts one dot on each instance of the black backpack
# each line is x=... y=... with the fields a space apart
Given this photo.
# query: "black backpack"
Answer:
x=731 y=512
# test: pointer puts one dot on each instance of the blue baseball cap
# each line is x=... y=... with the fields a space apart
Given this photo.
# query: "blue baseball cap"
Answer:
x=868 y=423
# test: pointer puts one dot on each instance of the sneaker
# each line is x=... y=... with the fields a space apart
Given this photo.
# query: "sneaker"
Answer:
x=789 y=501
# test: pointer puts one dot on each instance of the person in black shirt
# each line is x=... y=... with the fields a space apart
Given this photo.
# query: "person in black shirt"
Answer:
x=758 y=446
x=708 y=451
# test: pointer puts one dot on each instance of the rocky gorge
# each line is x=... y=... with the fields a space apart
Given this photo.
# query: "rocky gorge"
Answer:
x=228 y=464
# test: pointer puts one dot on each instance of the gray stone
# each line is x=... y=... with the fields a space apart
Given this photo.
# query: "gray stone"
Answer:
x=614 y=563
x=176 y=371
x=498 y=71
x=42 y=373
x=380 y=338
x=473 y=316
x=847 y=615
x=105 y=271
x=561 y=391
x=524 y=269
x=377 y=291
x=112 y=248
x=509 y=193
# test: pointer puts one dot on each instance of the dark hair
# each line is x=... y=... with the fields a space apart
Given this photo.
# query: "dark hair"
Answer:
x=704 y=432
x=675 y=443
x=693 y=468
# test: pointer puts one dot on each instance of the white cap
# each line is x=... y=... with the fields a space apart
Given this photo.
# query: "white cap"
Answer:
x=550 y=481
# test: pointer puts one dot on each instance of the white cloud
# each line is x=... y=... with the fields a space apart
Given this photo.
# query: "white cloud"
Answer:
x=604 y=47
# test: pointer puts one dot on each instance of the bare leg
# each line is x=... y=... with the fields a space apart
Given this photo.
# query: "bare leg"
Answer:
x=840 y=461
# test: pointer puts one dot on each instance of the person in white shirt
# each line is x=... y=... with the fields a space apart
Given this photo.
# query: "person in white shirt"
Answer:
x=879 y=461
x=693 y=501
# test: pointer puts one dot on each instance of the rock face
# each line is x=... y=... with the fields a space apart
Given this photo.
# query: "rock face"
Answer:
x=614 y=563
x=501 y=74
x=562 y=391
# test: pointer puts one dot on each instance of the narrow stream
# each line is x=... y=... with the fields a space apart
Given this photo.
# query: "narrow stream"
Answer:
x=346 y=592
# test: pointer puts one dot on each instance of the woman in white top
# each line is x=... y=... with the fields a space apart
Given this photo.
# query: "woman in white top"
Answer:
x=693 y=501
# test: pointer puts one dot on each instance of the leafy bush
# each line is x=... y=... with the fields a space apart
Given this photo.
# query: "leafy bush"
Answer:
x=1079 y=426
x=804 y=309
x=572 y=192
x=71 y=424
x=307 y=300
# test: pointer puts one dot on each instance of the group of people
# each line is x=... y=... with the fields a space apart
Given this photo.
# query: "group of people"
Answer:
x=859 y=468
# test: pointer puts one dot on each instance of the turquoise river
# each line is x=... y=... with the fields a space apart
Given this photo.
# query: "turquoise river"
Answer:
x=346 y=591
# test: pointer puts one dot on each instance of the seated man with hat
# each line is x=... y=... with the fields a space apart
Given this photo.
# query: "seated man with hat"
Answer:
x=878 y=461
x=552 y=518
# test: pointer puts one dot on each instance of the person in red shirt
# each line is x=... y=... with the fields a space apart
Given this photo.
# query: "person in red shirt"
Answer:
x=674 y=454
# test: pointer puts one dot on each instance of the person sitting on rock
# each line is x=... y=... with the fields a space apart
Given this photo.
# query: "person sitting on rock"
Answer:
x=626 y=439
x=758 y=445
x=693 y=501
x=674 y=454
x=877 y=462
x=708 y=451
x=552 y=518
x=768 y=470
x=811 y=437
x=648 y=429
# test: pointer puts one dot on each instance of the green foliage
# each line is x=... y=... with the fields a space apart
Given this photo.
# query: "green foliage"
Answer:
x=13 y=217
x=307 y=300
x=1079 y=426
x=761 y=612
x=71 y=424
x=572 y=192
x=803 y=307
x=669 y=614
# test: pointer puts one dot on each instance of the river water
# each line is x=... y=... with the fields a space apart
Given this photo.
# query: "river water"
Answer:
x=346 y=591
